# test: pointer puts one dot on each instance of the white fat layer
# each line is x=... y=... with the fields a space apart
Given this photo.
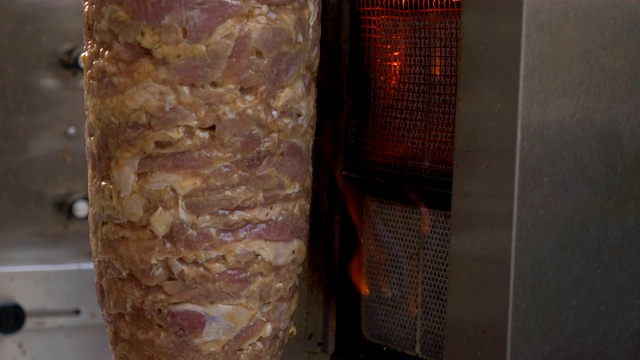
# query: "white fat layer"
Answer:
x=260 y=214
x=222 y=321
x=181 y=184
x=277 y=253
x=133 y=207
x=124 y=175
x=160 y=222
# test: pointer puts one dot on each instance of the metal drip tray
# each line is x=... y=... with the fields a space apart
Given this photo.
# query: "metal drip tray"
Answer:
x=406 y=250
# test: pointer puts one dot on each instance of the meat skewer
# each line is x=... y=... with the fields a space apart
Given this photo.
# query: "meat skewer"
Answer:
x=200 y=122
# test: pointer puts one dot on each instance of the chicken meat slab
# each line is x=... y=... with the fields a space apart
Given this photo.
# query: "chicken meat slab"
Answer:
x=200 y=122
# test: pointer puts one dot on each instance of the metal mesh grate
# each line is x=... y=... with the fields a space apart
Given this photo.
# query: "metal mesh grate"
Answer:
x=434 y=286
x=404 y=58
x=392 y=243
x=405 y=261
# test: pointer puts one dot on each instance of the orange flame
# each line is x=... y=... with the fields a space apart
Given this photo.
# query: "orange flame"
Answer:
x=356 y=272
x=353 y=197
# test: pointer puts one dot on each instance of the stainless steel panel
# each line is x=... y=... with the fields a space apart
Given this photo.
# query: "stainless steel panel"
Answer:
x=42 y=159
x=544 y=249
x=54 y=296
x=63 y=320
x=62 y=344
x=484 y=180
x=45 y=261
x=576 y=289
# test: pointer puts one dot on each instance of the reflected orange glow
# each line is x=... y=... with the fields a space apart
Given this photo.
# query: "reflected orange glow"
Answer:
x=425 y=229
x=437 y=60
x=390 y=61
x=425 y=213
x=425 y=220
x=395 y=66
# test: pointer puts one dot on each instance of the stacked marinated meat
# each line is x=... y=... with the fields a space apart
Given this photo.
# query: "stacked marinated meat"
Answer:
x=200 y=121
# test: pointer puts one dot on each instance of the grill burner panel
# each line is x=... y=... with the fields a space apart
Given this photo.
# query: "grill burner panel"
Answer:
x=404 y=63
x=405 y=260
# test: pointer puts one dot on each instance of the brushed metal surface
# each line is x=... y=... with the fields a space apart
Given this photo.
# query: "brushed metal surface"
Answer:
x=576 y=289
x=61 y=344
x=49 y=294
x=545 y=214
x=41 y=161
x=45 y=261
x=484 y=180
x=42 y=289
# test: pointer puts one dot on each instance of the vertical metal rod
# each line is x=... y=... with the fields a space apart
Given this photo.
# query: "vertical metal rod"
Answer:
x=421 y=255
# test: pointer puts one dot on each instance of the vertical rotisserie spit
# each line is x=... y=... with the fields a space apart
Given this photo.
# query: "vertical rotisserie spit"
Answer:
x=200 y=122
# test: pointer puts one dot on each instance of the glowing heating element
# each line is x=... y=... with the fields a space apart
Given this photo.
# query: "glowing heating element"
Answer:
x=404 y=58
x=403 y=70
